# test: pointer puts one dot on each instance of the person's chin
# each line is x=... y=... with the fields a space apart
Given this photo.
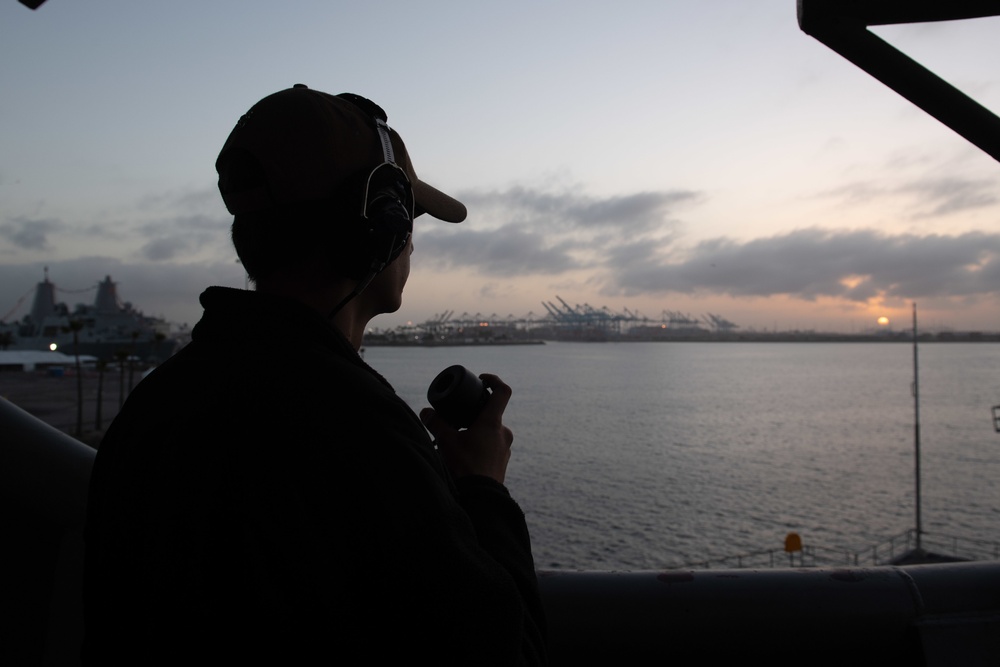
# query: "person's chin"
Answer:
x=392 y=306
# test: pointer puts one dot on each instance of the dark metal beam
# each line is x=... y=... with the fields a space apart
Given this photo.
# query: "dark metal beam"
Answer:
x=842 y=26
x=885 y=12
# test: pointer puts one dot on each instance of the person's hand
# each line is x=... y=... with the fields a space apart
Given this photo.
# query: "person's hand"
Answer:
x=484 y=447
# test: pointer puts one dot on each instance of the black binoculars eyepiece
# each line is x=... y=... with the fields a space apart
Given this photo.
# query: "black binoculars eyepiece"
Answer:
x=457 y=395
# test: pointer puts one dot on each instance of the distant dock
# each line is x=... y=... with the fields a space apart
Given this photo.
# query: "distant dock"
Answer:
x=52 y=397
x=409 y=341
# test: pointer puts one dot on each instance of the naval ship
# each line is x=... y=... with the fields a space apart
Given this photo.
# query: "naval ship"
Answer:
x=106 y=329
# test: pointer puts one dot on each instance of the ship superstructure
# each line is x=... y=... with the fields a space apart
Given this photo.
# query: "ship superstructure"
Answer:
x=106 y=329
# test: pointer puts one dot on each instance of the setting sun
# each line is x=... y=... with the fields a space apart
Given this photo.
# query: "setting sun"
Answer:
x=883 y=321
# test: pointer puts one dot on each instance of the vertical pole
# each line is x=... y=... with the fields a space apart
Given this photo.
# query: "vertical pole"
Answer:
x=916 y=425
x=76 y=326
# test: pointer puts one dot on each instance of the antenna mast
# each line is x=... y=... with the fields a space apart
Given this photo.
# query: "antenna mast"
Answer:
x=916 y=424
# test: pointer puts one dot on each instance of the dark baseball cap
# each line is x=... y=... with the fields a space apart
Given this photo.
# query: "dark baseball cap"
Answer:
x=308 y=145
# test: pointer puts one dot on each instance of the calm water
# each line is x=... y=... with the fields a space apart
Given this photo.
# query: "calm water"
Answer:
x=650 y=455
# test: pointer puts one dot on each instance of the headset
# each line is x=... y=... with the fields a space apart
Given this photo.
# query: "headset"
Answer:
x=387 y=207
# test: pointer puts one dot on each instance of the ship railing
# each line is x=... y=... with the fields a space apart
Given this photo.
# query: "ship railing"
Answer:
x=883 y=553
x=950 y=546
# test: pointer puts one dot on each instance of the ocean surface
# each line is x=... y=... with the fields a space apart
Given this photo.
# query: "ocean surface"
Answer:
x=652 y=455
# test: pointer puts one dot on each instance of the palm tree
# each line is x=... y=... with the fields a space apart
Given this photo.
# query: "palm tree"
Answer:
x=102 y=366
x=121 y=354
x=131 y=362
x=75 y=326
x=158 y=338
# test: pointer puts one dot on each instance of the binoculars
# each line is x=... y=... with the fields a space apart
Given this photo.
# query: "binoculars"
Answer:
x=457 y=395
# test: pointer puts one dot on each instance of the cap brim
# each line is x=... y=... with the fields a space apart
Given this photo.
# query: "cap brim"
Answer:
x=432 y=201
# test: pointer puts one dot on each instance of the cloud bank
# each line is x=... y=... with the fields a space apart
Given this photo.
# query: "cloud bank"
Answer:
x=631 y=245
x=634 y=245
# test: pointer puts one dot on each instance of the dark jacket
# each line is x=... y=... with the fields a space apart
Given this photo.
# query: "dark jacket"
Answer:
x=264 y=494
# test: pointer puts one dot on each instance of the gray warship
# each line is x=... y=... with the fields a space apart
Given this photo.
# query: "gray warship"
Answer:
x=107 y=329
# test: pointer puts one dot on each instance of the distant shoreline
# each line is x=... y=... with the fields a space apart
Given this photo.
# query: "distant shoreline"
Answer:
x=448 y=343
x=742 y=338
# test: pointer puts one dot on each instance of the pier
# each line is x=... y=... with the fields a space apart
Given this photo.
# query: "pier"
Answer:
x=586 y=323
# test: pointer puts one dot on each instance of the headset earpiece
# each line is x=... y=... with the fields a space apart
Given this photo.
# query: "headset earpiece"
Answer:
x=388 y=214
x=387 y=208
x=388 y=203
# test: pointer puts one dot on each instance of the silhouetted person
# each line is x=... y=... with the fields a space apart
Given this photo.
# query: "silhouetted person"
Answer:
x=264 y=495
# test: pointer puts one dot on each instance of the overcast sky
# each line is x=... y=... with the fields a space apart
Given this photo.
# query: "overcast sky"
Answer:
x=694 y=156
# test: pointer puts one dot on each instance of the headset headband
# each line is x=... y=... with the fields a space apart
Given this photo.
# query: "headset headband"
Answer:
x=383 y=133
